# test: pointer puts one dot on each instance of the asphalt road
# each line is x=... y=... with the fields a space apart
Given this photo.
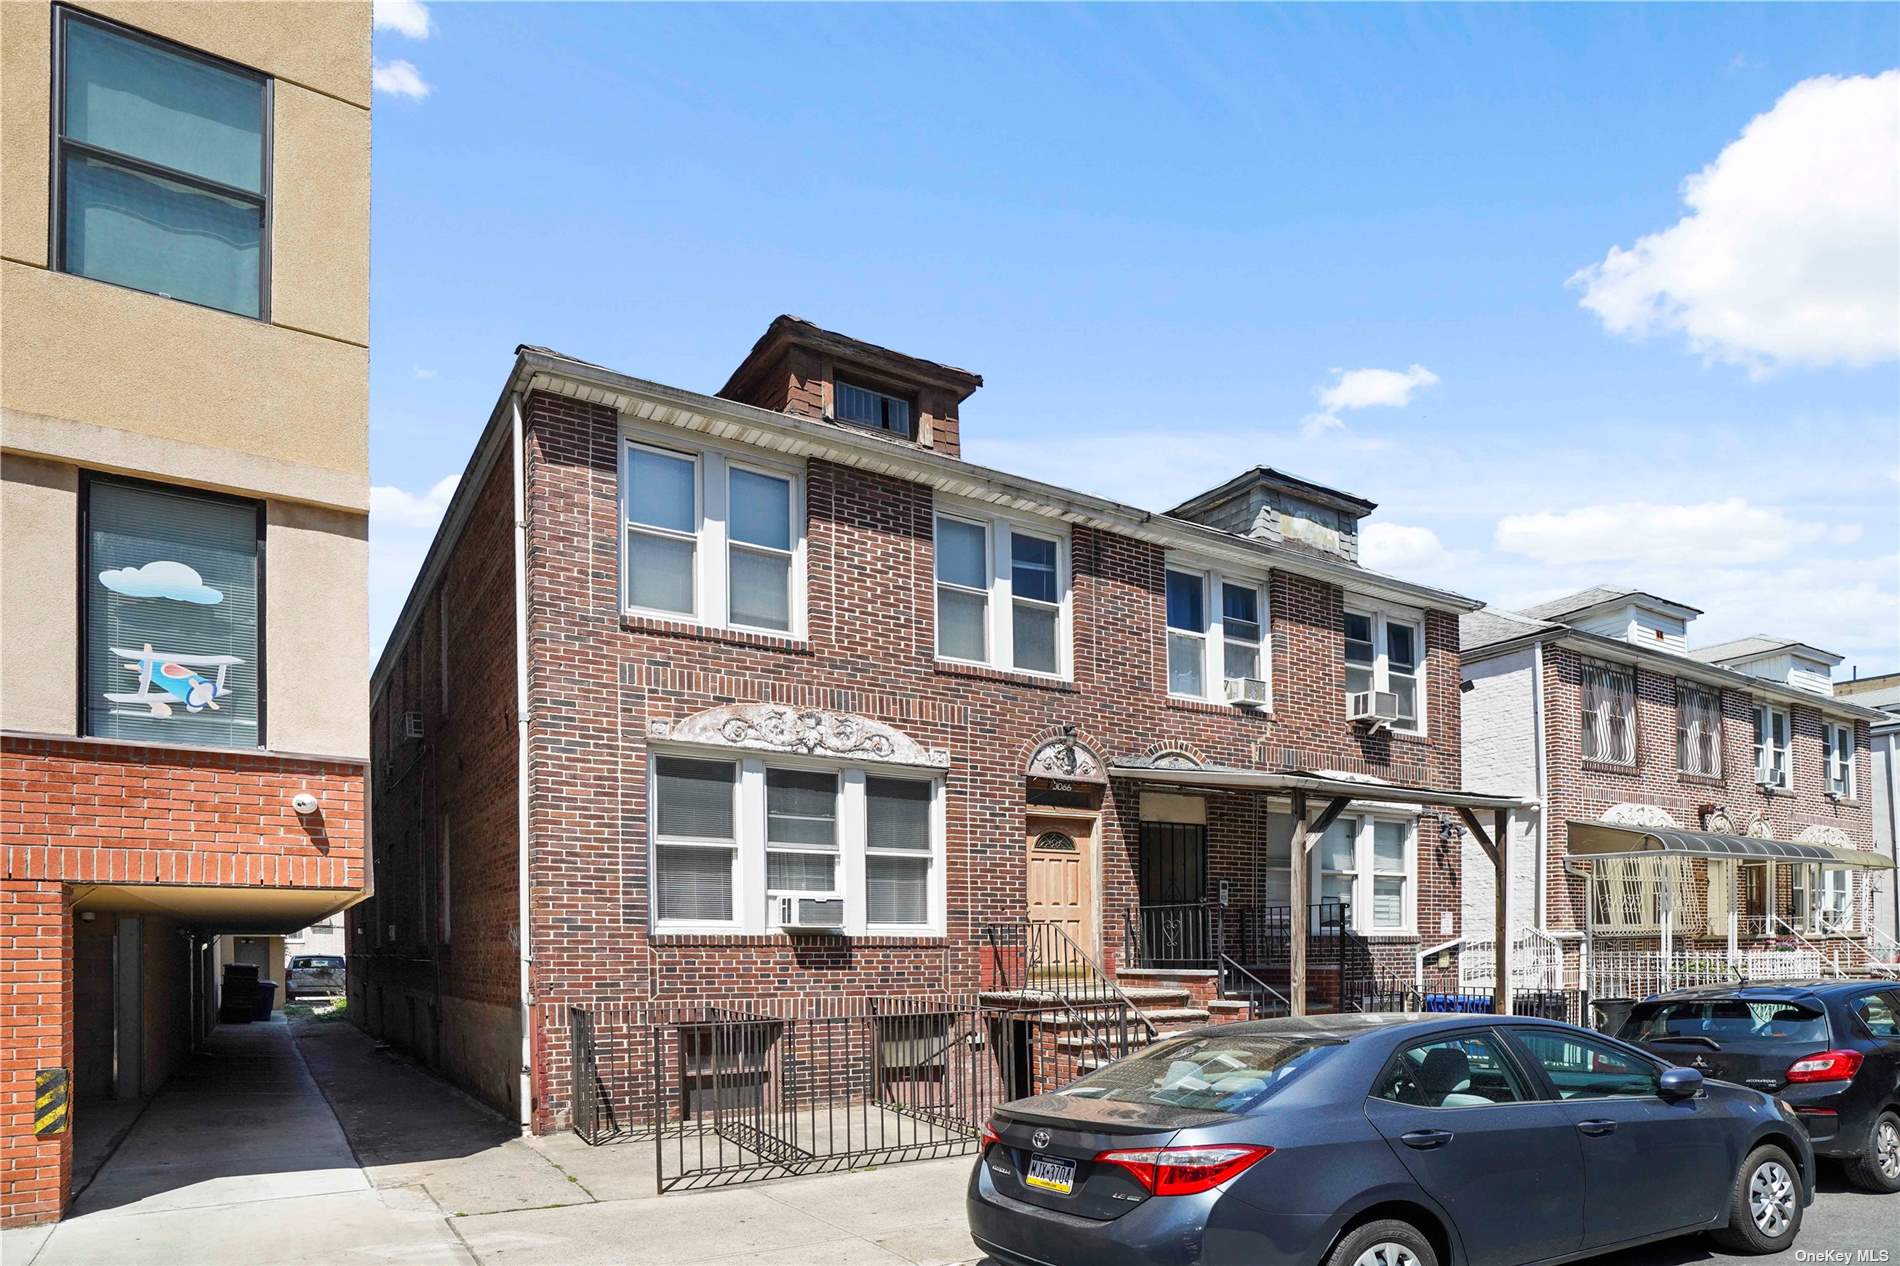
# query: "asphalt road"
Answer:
x=1841 y=1223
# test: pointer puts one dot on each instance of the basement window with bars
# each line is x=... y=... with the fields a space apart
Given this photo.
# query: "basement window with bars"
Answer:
x=1608 y=717
x=753 y=844
x=1699 y=730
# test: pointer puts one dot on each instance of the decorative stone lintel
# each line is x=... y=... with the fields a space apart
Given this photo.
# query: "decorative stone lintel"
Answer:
x=765 y=727
x=1652 y=816
x=1821 y=833
x=1066 y=759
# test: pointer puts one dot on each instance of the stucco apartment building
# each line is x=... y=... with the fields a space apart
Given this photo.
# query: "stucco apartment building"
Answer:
x=768 y=694
x=1699 y=810
x=183 y=410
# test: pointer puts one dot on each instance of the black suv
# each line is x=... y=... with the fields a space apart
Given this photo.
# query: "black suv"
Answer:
x=1829 y=1049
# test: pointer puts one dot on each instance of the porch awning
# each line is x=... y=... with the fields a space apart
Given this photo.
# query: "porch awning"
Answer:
x=1605 y=839
x=1229 y=778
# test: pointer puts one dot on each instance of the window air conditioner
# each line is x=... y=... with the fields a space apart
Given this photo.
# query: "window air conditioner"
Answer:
x=1381 y=707
x=811 y=914
x=1248 y=692
x=412 y=725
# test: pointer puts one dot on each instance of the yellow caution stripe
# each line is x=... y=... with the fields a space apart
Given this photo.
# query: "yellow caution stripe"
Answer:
x=49 y=1104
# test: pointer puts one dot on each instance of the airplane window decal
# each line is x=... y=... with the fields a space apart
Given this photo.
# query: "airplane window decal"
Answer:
x=161 y=674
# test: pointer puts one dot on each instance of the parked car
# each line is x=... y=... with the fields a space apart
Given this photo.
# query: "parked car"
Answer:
x=314 y=974
x=1394 y=1140
x=1829 y=1048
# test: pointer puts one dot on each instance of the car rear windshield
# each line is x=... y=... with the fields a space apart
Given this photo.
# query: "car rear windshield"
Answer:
x=1211 y=1072
x=1733 y=1019
x=317 y=962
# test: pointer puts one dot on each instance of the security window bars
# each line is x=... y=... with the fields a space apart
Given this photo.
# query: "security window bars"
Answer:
x=963 y=590
x=1773 y=767
x=172 y=586
x=1698 y=730
x=161 y=167
x=1187 y=634
x=1383 y=652
x=876 y=409
x=1609 y=714
x=696 y=845
x=1838 y=755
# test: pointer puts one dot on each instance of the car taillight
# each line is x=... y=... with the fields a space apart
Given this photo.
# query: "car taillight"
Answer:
x=989 y=1136
x=1182 y=1171
x=1825 y=1066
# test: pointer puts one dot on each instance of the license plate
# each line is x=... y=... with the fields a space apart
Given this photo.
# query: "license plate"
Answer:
x=1048 y=1173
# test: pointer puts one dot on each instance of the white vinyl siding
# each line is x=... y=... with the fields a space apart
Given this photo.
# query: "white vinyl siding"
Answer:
x=712 y=538
x=1002 y=594
x=1608 y=719
x=1698 y=730
x=1774 y=766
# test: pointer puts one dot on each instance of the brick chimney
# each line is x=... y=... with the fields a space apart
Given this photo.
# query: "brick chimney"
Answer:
x=799 y=369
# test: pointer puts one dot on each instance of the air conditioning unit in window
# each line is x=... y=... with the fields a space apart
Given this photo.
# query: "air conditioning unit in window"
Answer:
x=811 y=914
x=1380 y=707
x=1248 y=692
x=412 y=725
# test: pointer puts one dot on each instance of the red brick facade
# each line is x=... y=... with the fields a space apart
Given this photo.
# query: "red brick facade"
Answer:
x=597 y=679
x=84 y=812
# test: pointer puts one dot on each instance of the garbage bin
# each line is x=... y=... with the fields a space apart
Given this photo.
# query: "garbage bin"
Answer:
x=1611 y=1012
x=266 y=998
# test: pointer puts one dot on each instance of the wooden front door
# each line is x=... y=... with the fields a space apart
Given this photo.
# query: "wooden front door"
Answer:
x=1062 y=875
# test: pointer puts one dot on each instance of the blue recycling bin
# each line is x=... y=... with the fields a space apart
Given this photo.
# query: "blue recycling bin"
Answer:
x=266 y=998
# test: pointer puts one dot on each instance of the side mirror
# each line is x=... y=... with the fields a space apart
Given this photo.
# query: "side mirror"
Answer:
x=1680 y=1083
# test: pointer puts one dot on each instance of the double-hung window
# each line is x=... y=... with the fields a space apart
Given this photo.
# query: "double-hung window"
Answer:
x=1608 y=719
x=173 y=582
x=1698 y=730
x=864 y=406
x=1002 y=594
x=161 y=167
x=1363 y=865
x=711 y=538
x=1384 y=653
x=1838 y=756
x=738 y=842
x=1217 y=632
x=1773 y=766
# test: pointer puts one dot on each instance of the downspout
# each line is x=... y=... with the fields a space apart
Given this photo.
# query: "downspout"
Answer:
x=524 y=949
x=1540 y=854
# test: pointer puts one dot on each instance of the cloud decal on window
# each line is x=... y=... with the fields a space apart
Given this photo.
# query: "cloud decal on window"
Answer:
x=162 y=579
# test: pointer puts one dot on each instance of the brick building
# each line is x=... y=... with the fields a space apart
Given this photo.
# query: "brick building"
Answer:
x=186 y=288
x=1696 y=810
x=768 y=694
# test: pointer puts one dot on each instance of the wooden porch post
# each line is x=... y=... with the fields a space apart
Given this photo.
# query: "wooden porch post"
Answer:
x=1296 y=948
x=1501 y=833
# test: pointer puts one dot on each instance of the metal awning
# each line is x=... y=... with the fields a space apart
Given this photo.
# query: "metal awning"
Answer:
x=1606 y=839
x=1230 y=778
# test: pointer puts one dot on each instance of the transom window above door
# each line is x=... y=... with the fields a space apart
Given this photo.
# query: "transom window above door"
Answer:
x=712 y=538
x=1002 y=593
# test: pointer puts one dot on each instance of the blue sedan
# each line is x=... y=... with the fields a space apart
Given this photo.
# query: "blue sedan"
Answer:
x=1385 y=1140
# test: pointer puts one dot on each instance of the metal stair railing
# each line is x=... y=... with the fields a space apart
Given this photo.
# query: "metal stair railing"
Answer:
x=1233 y=981
x=1054 y=966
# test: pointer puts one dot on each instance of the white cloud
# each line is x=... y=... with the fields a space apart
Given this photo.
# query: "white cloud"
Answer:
x=405 y=17
x=1364 y=389
x=424 y=374
x=1791 y=244
x=398 y=507
x=162 y=578
x=1402 y=549
x=400 y=78
x=1640 y=532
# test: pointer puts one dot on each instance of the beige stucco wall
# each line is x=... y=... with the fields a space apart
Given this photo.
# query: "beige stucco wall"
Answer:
x=316 y=613
x=39 y=620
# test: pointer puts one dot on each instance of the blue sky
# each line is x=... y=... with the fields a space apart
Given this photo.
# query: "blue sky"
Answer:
x=1628 y=277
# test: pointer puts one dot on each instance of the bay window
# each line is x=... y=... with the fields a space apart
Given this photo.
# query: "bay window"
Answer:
x=1838 y=758
x=733 y=839
x=1773 y=768
x=1383 y=652
x=1608 y=721
x=711 y=540
x=1002 y=594
x=1698 y=730
x=1217 y=633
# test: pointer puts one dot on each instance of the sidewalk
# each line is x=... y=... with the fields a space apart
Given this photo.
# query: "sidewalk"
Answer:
x=326 y=1149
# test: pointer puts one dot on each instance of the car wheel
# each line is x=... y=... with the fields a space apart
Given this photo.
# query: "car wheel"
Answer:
x=1878 y=1168
x=1387 y=1242
x=1764 y=1209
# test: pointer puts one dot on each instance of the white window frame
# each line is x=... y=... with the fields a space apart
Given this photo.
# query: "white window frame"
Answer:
x=753 y=911
x=1838 y=742
x=835 y=852
x=1213 y=638
x=1382 y=617
x=712 y=571
x=999 y=597
x=1365 y=857
x=1765 y=747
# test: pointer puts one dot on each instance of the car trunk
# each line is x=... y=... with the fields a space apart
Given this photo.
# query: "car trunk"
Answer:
x=1030 y=1167
x=1748 y=1041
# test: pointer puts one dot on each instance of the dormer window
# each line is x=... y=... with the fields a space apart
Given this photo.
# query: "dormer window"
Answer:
x=879 y=410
